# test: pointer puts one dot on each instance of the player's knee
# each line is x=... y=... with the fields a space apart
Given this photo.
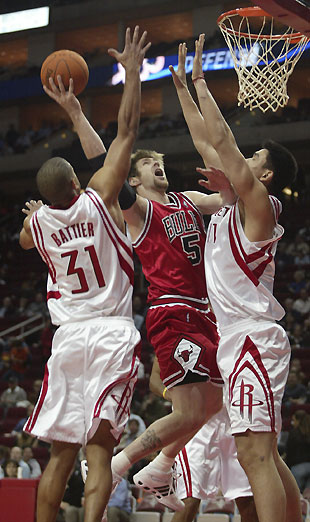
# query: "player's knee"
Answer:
x=251 y=457
x=194 y=420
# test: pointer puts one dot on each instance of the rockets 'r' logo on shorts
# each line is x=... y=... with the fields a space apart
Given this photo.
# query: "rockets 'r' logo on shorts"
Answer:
x=246 y=400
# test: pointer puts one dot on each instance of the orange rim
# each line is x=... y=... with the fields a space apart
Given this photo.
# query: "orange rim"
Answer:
x=252 y=12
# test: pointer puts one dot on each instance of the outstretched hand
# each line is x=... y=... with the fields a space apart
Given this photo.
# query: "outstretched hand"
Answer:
x=66 y=99
x=217 y=181
x=32 y=207
x=179 y=76
x=197 y=71
x=134 y=50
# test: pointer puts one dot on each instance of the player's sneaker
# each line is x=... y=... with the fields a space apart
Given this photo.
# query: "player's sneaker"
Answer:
x=84 y=470
x=160 y=484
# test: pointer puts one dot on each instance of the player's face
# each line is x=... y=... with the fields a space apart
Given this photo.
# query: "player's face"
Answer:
x=152 y=174
x=257 y=162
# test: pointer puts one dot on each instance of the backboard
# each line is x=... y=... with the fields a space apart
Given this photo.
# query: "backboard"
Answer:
x=294 y=13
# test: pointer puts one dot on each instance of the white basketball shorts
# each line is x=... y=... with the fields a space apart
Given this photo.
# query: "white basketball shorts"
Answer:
x=253 y=358
x=90 y=376
x=208 y=464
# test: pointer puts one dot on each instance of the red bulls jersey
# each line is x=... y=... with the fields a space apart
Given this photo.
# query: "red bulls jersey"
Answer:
x=89 y=260
x=171 y=248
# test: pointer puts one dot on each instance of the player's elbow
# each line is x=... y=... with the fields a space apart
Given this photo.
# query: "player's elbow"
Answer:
x=25 y=242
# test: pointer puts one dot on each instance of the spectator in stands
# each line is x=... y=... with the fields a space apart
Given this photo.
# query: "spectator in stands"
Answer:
x=302 y=259
x=16 y=455
x=283 y=258
x=73 y=511
x=295 y=392
x=119 y=506
x=13 y=395
x=302 y=304
x=18 y=428
x=305 y=231
x=10 y=468
x=131 y=433
x=33 y=395
x=298 y=247
x=7 y=309
x=296 y=336
x=298 y=283
x=38 y=306
x=298 y=449
x=22 y=309
x=20 y=358
x=296 y=367
x=139 y=419
x=35 y=468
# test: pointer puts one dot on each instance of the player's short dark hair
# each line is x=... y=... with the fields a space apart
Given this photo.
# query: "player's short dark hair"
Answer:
x=54 y=179
x=283 y=165
x=143 y=153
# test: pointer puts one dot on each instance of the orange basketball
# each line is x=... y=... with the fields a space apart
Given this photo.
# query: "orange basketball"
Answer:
x=68 y=64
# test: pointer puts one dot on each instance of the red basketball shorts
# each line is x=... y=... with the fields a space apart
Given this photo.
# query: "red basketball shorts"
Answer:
x=185 y=341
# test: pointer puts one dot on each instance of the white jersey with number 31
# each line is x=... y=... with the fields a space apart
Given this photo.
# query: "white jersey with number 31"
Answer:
x=89 y=260
x=240 y=273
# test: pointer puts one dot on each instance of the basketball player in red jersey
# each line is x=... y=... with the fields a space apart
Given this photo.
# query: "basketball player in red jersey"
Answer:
x=89 y=378
x=169 y=237
x=254 y=352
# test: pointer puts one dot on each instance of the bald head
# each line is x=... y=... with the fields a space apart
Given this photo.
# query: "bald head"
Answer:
x=57 y=181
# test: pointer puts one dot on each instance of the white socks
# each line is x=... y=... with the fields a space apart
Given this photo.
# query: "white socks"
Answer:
x=120 y=463
x=162 y=463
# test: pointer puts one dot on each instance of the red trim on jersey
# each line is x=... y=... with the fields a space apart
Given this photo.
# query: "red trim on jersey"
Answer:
x=276 y=206
x=250 y=347
x=73 y=200
x=33 y=418
x=259 y=270
x=53 y=295
x=115 y=240
x=131 y=374
x=187 y=477
x=181 y=300
x=240 y=262
x=249 y=258
x=42 y=250
x=109 y=220
x=146 y=226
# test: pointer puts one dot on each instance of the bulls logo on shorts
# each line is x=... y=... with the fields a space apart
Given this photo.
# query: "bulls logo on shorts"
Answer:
x=187 y=354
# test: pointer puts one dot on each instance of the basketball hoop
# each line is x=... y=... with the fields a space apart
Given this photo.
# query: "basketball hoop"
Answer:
x=263 y=60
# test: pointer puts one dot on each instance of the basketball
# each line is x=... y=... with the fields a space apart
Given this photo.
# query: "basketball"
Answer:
x=67 y=64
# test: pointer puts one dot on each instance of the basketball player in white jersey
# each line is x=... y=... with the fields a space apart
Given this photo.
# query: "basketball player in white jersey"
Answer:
x=89 y=378
x=208 y=465
x=254 y=352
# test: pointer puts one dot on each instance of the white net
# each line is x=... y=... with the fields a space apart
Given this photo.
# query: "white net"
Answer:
x=263 y=60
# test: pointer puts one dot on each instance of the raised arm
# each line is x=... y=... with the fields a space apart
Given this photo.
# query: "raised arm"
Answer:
x=192 y=115
x=91 y=142
x=109 y=179
x=255 y=205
